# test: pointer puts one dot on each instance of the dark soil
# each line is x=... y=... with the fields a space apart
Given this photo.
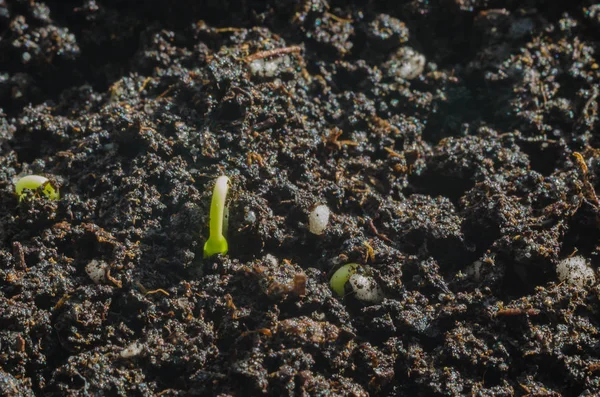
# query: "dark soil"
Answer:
x=455 y=142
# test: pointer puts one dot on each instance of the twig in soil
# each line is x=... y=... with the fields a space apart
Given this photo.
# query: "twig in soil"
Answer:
x=376 y=232
x=594 y=367
x=61 y=301
x=517 y=312
x=544 y=98
x=393 y=153
x=589 y=191
x=272 y=53
x=262 y=331
x=113 y=280
x=165 y=92
x=588 y=103
x=162 y=291
x=228 y=30
x=370 y=253
x=581 y=163
x=338 y=19
x=398 y=167
x=162 y=393
x=144 y=84
x=527 y=389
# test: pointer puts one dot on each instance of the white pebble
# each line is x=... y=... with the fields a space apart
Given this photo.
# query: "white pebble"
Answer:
x=266 y=67
x=318 y=219
x=96 y=270
x=250 y=216
x=271 y=68
x=410 y=64
x=365 y=288
x=132 y=350
x=257 y=66
x=575 y=270
x=271 y=260
x=474 y=270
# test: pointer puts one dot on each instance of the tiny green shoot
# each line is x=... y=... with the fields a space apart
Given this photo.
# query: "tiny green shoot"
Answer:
x=36 y=183
x=341 y=276
x=216 y=243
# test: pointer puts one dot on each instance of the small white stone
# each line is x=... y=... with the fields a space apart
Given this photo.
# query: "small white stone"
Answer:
x=271 y=68
x=474 y=270
x=365 y=288
x=132 y=350
x=271 y=260
x=318 y=219
x=409 y=63
x=266 y=67
x=249 y=217
x=575 y=270
x=257 y=66
x=96 y=270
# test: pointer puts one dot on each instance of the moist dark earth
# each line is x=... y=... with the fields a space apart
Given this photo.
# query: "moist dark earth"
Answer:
x=454 y=141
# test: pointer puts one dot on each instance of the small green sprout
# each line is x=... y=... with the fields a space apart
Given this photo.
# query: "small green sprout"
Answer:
x=342 y=276
x=216 y=243
x=36 y=183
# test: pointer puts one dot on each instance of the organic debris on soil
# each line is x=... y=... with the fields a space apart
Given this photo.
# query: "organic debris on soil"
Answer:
x=454 y=142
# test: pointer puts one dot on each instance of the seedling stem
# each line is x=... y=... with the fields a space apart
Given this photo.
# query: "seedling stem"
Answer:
x=216 y=243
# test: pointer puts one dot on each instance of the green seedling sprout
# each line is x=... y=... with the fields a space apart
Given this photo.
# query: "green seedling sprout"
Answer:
x=216 y=243
x=36 y=183
x=342 y=276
